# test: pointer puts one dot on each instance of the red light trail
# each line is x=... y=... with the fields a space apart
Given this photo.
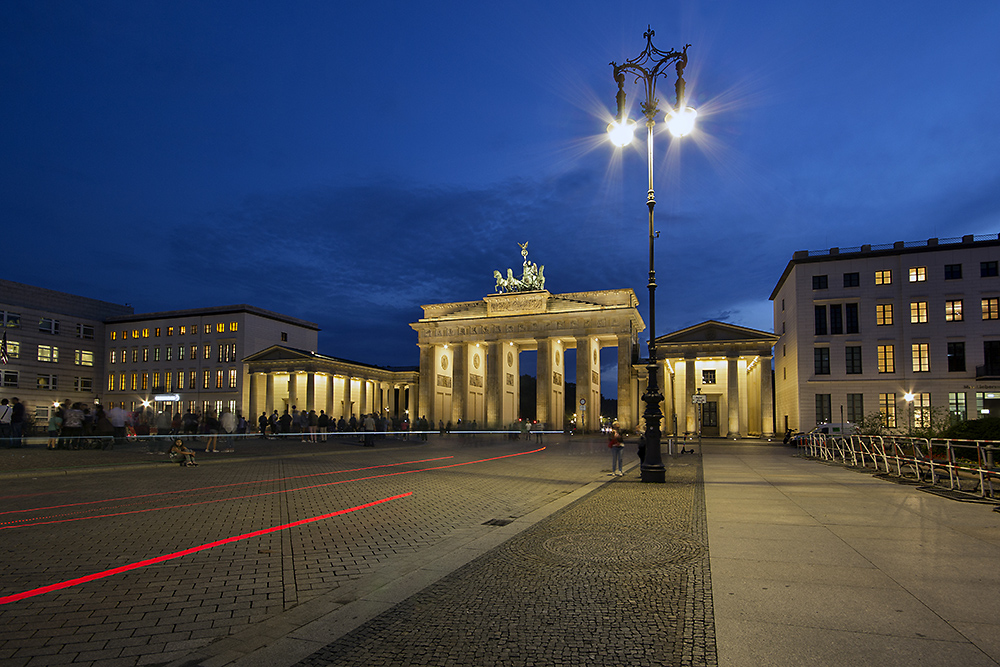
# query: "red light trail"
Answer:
x=177 y=554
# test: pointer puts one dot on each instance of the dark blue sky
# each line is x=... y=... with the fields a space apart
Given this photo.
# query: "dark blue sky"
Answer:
x=347 y=163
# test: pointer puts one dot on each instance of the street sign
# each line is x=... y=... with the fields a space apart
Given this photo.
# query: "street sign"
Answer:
x=583 y=401
x=699 y=398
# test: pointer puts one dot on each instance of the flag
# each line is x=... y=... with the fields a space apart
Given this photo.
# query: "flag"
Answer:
x=3 y=349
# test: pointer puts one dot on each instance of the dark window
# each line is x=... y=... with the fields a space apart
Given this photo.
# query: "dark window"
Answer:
x=820 y=282
x=852 y=279
x=956 y=357
x=836 y=319
x=853 y=357
x=855 y=408
x=952 y=271
x=821 y=360
x=851 y=311
x=284 y=336
x=986 y=270
x=991 y=357
x=820 y=320
x=708 y=377
x=823 y=412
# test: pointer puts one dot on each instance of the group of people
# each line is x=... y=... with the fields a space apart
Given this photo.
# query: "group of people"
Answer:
x=12 y=420
x=310 y=426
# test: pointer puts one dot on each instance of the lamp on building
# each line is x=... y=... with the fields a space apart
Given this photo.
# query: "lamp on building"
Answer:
x=647 y=67
x=908 y=397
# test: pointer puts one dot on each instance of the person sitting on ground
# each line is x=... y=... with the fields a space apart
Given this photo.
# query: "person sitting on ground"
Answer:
x=179 y=453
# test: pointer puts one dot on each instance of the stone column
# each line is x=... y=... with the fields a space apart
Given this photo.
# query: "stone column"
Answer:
x=329 y=395
x=411 y=405
x=733 y=394
x=766 y=404
x=293 y=389
x=254 y=398
x=627 y=417
x=269 y=393
x=310 y=392
x=689 y=382
x=348 y=401
x=394 y=400
x=543 y=386
x=584 y=385
x=494 y=384
x=459 y=382
x=427 y=383
x=363 y=398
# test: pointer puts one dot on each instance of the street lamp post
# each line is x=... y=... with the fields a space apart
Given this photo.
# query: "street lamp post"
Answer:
x=647 y=67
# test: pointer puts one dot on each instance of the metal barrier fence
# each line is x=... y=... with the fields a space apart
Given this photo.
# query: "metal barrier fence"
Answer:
x=959 y=465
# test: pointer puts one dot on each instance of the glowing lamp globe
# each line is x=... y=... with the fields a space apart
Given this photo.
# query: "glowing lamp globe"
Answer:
x=621 y=133
x=681 y=122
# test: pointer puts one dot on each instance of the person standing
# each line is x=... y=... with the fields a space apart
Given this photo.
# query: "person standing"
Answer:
x=228 y=424
x=617 y=445
x=5 y=415
x=16 y=421
x=369 y=431
x=323 y=422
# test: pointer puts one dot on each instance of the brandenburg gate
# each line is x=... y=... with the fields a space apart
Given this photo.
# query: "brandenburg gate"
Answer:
x=469 y=352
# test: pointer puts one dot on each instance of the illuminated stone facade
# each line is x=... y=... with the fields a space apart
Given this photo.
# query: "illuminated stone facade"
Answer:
x=469 y=366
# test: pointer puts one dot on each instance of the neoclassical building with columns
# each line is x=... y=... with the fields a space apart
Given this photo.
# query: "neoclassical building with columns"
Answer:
x=728 y=365
x=280 y=377
x=469 y=355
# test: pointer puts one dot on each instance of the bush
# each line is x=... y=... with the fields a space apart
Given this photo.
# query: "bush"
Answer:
x=977 y=429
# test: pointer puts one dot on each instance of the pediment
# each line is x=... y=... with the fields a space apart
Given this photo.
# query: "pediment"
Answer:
x=280 y=353
x=717 y=332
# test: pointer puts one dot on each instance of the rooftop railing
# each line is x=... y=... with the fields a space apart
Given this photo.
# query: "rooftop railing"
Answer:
x=957 y=240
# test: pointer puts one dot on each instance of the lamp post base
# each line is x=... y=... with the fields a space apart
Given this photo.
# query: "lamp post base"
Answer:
x=654 y=474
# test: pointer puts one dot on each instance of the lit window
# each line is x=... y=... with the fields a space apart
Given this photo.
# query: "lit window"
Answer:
x=83 y=357
x=206 y=378
x=47 y=382
x=193 y=380
x=145 y=354
x=170 y=352
x=48 y=354
x=145 y=333
x=135 y=333
x=145 y=381
x=156 y=380
x=887 y=409
x=956 y=405
x=156 y=332
x=113 y=357
x=918 y=274
x=135 y=381
x=121 y=381
x=208 y=350
x=181 y=330
x=233 y=326
x=921 y=410
x=953 y=311
x=883 y=314
x=208 y=328
x=918 y=312
x=168 y=378
x=13 y=349
x=991 y=309
x=921 y=357
x=135 y=355
x=111 y=381
x=180 y=353
x=219 y=378
x=886 y=359
x=156 y=354
x=220 y=327
x=170 y=331
x=883 y=277
x=232 y=378
x=114 y=335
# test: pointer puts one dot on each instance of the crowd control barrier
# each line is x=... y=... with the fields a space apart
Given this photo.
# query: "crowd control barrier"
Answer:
x=966 y=466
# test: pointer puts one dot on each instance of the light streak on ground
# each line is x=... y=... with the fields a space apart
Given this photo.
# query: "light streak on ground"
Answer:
x=178 y=554
x=219 y=486
x=41 y=521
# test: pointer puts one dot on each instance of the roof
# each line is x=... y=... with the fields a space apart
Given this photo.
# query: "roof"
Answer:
x=219 y=310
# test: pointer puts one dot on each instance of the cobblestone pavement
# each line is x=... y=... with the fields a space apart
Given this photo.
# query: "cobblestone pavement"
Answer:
x=618 y=578
x=63 y=527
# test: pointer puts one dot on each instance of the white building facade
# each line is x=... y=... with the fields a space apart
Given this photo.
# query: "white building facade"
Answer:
x=899 y=329
x=54 y=346
x=184 y=360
